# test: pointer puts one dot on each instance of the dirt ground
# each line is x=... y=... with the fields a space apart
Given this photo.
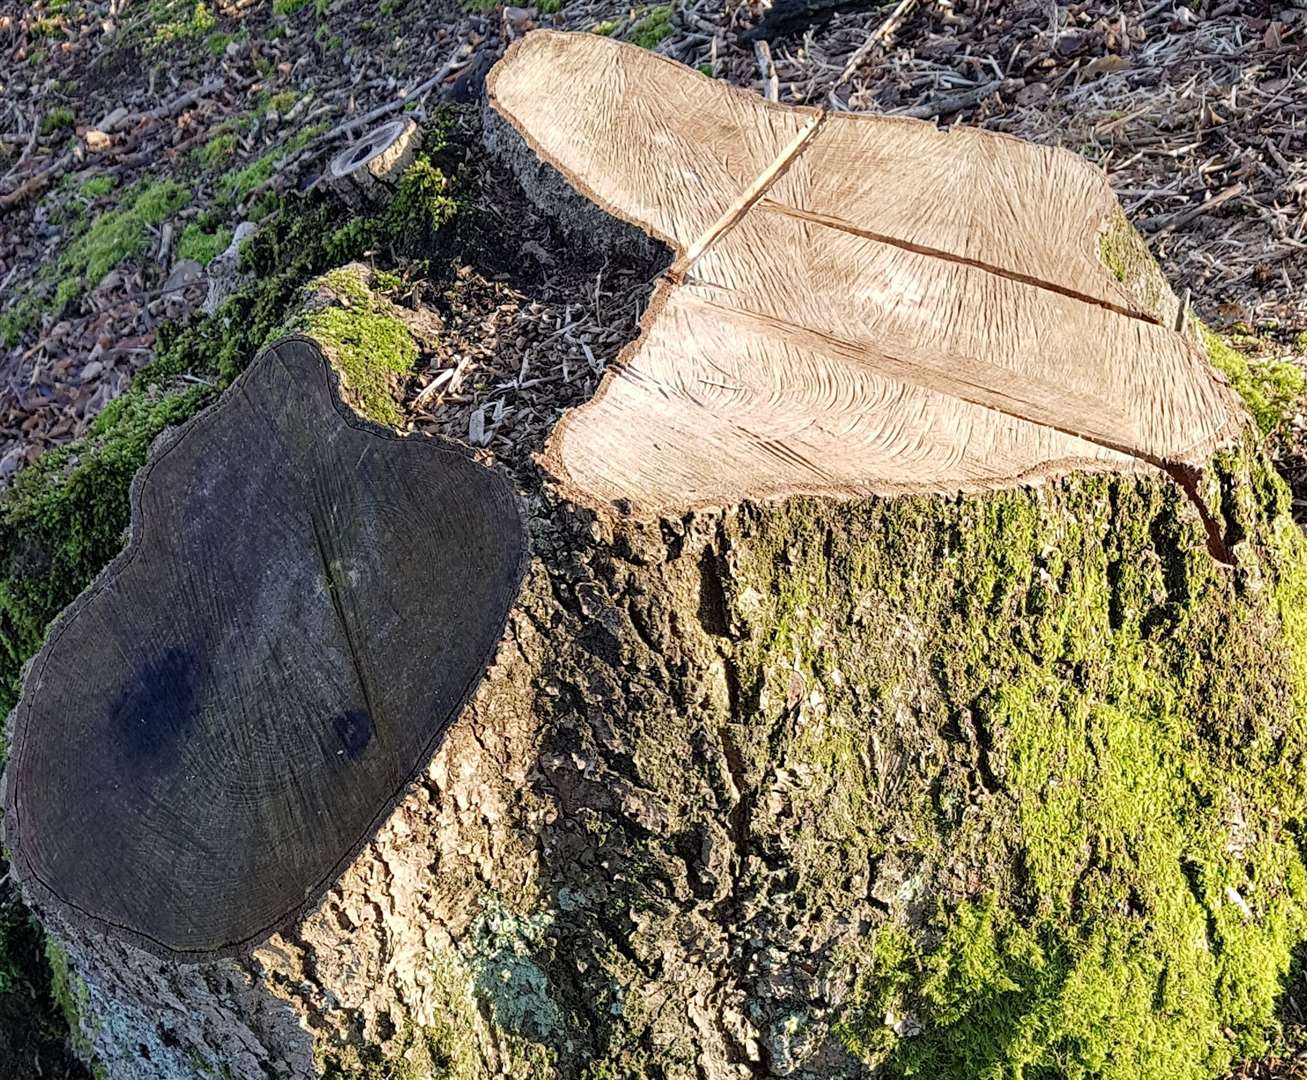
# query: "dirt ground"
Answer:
x=136 y=134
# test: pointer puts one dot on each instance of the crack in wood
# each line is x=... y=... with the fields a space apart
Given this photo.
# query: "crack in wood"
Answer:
x=988 y=386
x=333 y=594
x=831 y=222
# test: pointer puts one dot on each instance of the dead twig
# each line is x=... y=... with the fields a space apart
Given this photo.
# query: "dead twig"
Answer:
x=1164 y=223
x=879 y=36
x=951 y=103
x=36 y=183
x=177 y=104
x=458 y=61
x=27 y=150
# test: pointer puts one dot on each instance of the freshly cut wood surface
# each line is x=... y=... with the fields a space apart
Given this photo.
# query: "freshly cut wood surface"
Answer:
x=217 y=725
x=858 y=304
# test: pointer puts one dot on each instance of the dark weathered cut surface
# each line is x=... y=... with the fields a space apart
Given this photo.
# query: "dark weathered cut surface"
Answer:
x=215 y=727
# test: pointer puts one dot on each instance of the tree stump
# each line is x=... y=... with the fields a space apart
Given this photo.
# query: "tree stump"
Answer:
x=367 y=171
x=232 y=679
x=873 y=697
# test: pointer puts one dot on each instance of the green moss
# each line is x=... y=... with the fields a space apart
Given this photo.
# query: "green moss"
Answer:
x=56 y=119
x=122 y=233
x=655 y=26
x=281 y=102
x=422 y=205
x=372 y=347
x=289 y=7
x=1057 y=702
x=386 y=281
x=217 y=150
x=217 y=41
x=117 y=234
x=72 y=1000
x=198 y=244
x=236 y=185
x=1125 y=254
x=96 y=186
x=1272 y=388
x=15 y=930
x=197 y=22
x=605 y=28
x=550 y=7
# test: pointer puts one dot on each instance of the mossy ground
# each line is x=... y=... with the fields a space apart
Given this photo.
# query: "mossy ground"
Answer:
x=1270 y=386
x=202 y=245
x=653 y=27
x=97 y=246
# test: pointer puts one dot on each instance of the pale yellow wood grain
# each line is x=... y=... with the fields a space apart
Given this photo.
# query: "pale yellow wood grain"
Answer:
x=859 y=304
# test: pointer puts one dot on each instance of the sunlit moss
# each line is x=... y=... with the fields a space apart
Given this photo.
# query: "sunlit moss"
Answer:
x=1136 y=718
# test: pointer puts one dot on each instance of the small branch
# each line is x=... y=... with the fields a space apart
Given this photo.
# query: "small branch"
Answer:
x=36 y=183
x=448 y=69
x=879 y=36
x=27 y=150
x=172 y=108
x=1164 y=223
x=952 y=103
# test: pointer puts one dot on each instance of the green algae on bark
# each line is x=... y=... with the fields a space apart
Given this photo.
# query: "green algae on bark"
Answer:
x=1125 y=254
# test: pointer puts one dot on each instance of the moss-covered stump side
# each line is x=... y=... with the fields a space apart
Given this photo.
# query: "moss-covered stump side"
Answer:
x=1062 y=754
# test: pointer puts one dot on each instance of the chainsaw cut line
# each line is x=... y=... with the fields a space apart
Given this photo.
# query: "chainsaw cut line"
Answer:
x=830 y=222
